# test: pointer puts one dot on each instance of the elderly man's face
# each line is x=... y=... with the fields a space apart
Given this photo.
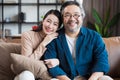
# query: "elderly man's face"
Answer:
x=72 y=18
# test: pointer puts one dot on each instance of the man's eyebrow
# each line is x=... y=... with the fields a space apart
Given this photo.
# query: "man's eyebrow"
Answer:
x=69 y=13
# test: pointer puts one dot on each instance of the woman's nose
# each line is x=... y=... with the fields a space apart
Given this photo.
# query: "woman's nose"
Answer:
x=50 y=25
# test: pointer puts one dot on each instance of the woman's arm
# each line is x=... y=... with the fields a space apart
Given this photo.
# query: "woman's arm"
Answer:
x=51 y=62
x=63 y=77
x=28 y=42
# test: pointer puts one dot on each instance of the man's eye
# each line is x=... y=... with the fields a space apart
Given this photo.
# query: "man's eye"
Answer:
x=77 y=15
x=67 y=15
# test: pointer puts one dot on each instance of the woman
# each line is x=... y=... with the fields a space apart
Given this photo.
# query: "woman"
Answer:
x=34 y=42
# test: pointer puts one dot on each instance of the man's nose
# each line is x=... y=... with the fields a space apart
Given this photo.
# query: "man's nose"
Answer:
x=72 y=17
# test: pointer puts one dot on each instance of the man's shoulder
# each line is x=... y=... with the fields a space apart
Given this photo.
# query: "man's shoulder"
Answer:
x=88 y=31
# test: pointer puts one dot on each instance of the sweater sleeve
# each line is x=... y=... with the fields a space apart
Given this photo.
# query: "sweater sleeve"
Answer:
x=28 y=43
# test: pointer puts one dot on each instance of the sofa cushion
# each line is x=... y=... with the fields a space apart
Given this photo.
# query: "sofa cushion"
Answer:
x=2 y=41
x=113 y=48
x=5 y=49
x=22 y=63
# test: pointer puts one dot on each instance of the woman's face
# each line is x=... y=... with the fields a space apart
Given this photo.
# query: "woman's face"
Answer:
x=50 y=24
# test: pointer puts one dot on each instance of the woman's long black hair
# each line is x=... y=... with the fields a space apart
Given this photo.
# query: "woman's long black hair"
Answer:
x=54 y=12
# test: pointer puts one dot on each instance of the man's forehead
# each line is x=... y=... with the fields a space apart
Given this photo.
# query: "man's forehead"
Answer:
x=72 y=9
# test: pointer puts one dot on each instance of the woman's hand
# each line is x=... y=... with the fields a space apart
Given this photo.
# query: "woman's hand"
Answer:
x=48 y=38
x=51 y=62
x=96 y=75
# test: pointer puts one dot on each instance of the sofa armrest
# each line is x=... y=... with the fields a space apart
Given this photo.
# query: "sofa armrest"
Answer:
x=113 y=48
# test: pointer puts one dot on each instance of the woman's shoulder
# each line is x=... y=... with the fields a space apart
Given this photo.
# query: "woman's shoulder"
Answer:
x=28 y=32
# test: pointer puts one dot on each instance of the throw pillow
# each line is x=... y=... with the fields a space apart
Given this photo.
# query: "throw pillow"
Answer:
x=22 y=63
x=5 y=50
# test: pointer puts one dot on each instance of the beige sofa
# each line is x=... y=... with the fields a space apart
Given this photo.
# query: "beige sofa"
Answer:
x=112 y=45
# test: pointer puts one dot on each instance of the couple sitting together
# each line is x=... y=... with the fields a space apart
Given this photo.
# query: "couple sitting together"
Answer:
x=70 y=52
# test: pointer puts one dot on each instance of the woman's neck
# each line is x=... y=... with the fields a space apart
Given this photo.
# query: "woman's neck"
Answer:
x=42 y=34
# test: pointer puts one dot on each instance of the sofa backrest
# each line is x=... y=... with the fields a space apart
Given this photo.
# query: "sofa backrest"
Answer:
x=113 y=48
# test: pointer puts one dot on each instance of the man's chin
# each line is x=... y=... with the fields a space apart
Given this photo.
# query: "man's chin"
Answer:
x=74 y=30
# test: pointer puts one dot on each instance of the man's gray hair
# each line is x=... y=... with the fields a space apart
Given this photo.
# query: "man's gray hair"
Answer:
x=67 y=3
x=82 y=10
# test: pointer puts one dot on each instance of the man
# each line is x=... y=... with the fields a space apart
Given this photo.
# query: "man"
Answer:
x=81 y=51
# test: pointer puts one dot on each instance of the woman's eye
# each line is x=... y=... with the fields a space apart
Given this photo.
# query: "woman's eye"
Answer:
x=56 y=24
x=48 y=20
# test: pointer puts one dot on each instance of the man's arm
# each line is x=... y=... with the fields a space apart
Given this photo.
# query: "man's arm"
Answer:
x=51 y=53
x=101 y=64
x=100 y=56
